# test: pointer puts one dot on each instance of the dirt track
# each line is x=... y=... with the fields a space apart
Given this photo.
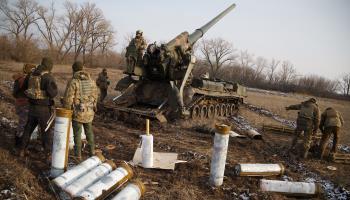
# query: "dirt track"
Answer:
x=188 y=180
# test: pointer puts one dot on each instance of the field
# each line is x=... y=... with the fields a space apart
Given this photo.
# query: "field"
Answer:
x=276 y=103
x=19 y=177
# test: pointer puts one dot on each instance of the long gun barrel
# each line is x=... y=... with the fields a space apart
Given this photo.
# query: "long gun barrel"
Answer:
x=198 y=33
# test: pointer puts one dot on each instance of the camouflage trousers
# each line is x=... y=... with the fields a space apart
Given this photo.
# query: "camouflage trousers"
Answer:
x=327 y=133
x=305 y=127
x=77 y=129
x=22 y=113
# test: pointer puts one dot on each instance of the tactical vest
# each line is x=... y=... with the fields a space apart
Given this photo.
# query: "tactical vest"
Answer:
x=34 y=90
x=85 y=95
x=138 y=43
x=332 y=118
x=306 y=111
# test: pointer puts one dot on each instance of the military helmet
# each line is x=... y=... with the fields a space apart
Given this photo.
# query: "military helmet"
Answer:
x=28 y=68
x=46 y=64
x=77 y=66
x=139 y=32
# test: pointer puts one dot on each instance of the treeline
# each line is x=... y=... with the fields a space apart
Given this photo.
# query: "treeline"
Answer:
x=30 y=31
x=223 y=61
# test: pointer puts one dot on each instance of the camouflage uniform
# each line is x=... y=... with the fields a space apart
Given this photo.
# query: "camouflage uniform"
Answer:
x=140 y=44
x=307 y=122
x=102 y=82
x=331 y=122
x=40 y=88
x=21 y=103
x=81 y=97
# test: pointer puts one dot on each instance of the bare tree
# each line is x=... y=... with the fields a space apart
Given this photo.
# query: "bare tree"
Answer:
x=19 y=16
x=272 y=69
x=317 y=85
x=246 y=61
x=287 y=72
x=106 y=40
x=217 y=53
x=17 y=19
x=345 y=84
x=47 y=26
x=101 y=34
x=90 y=31
x=57 y=31
x=260 y=65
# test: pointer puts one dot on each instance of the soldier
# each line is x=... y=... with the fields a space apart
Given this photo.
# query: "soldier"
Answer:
x=102 y=82
x=331 y=122
x=140 y=43
x=21 y=103
x=307 y=122
x=40 y=88
x=81 y=97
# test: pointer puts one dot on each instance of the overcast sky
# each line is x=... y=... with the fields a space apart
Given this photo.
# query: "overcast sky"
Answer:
x=313 y=34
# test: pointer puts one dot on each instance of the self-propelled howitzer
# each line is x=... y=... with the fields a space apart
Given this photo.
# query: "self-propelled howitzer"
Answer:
x=161 y=86
x=169 y=61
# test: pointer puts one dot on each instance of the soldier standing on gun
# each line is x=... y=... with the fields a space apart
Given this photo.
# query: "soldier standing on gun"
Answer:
x=40 y=88
x=102 y=82
x=21 y=103
x=81 y=97
x=331 y=122
x=307 y=122
x=140 y=43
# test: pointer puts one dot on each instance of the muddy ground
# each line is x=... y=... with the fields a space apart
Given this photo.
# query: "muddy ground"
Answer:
x=26 y=178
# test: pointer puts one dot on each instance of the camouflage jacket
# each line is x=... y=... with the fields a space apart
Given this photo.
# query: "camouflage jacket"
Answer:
x=81 y=97
x=307 y=111
x=140 y=43
x=330 y=117
x=102 y=81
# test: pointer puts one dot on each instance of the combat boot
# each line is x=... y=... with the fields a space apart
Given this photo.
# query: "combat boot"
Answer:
x=78 y=157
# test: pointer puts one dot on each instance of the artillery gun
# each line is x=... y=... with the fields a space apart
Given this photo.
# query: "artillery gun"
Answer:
x=161 y=85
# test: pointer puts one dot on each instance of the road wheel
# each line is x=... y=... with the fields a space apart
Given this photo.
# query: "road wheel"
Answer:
x=217 y=110
x=211 y=111
x=233 y=109
x=228 y=110
x=204 y=112
x=222 y=110
x=195 y=112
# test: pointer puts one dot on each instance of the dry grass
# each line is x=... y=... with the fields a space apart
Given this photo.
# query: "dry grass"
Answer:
x=277 y=104
x=13 y=175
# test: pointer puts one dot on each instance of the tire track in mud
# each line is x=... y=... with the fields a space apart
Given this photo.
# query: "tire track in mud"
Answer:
x=331 y=190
